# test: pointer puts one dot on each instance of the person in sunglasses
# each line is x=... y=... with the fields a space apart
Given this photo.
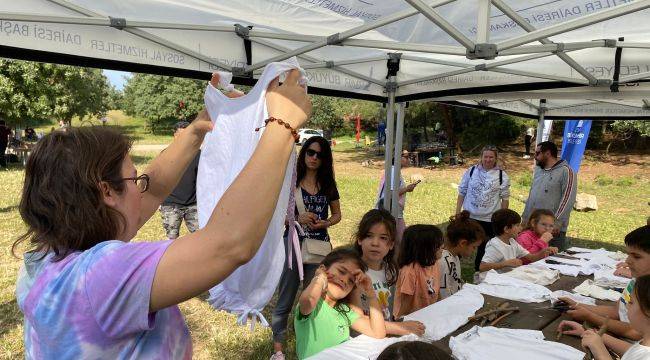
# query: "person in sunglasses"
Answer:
x=317 y=185
x=86 y=290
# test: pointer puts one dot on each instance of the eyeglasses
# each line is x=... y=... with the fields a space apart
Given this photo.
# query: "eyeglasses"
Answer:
x=315 y=153
x=141 y=182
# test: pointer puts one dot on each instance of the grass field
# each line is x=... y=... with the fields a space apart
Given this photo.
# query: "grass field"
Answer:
x=621 y=185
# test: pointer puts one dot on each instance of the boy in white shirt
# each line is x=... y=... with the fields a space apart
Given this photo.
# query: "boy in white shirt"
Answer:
x=503 y=250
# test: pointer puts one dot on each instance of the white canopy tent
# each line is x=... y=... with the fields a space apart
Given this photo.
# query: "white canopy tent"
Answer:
x=585 y=58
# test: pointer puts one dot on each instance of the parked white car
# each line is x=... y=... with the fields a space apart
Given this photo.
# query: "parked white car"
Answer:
x=305 y=134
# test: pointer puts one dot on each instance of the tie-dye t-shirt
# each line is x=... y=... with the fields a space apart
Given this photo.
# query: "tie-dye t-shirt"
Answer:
x=95 y=305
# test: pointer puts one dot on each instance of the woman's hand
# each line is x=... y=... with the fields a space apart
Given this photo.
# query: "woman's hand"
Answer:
x=288 y=101
x=231 y=94
x=546 y=237
x=570 y=328
x=553 y=250
x=307 y=218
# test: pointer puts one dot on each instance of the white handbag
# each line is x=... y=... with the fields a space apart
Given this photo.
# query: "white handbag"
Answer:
x=313 y=251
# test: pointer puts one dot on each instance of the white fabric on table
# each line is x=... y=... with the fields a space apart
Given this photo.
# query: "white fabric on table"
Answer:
x=487 y=343
x=361 y=347
x=637 y=352
x=587 y=264
x=445 y=316
x=506 y=287
x=587 y=288
x=226 y=150
x=556 y=295
x=536 y=275
x=606 y=278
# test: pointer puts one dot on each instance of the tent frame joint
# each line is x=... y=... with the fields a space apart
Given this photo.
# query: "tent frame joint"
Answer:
x=601 y=83
x=391 y=86
x=480 y=67
x=559 y=48
x=486 y=51
x=117 y=23
x=243 y=31
x=334 y=39
x=611 y=43
x=329 y=64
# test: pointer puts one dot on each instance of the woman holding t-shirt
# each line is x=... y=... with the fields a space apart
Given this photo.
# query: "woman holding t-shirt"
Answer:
x=484 y=189
x=86 y=290
x=315 y=180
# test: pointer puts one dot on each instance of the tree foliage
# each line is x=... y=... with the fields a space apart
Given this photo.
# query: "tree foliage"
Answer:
x=31 y=91
x=162 y=100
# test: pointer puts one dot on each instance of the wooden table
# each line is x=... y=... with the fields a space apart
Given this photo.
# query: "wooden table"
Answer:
x=532 y=316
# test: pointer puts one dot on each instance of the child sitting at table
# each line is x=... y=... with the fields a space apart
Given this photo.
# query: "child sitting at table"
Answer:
x=418 y=282
x=503 y=250
x=323 y=317
x=637 y=246
x=375 y=242
x=638 y=310
x=464 y=236
x=538 y=232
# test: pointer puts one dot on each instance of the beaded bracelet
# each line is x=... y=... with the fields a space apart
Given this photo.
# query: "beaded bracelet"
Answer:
x=294 y=133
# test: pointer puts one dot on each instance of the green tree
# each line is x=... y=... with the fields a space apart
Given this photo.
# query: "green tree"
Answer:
x=32 y=91
x=162 y=100
x=323 y=115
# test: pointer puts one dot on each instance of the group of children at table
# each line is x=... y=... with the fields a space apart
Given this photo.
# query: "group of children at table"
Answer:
x=368 y=288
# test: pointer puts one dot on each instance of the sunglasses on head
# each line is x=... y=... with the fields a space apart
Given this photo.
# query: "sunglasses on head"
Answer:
x=312 y=153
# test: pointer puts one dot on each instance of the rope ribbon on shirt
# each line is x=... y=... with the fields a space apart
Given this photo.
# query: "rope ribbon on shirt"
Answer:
x=255 y=315
x=293 y=244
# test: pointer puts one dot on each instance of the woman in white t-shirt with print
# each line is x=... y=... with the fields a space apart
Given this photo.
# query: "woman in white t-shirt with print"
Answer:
x=374 y=240
x=484 y=189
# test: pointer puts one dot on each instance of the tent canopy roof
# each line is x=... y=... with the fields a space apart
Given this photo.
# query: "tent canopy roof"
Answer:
x=588 y=58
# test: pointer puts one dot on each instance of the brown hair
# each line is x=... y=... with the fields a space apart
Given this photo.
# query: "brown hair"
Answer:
x=503 y=218
x=461 y=227
x=379 y=216
x=420 y=243
x=62 y=202
x=536 y=215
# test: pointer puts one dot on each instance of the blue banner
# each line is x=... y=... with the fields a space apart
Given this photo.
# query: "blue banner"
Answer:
x=574 y=142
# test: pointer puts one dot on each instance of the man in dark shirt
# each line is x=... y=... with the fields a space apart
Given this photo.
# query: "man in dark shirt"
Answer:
x=181 y=203
x=4 y=141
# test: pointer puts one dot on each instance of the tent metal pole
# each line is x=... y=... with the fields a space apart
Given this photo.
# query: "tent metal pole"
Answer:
x=337 y=38
x=529 y=104
x=634 y=45
x=401 y=46
x=483 y=22
x=541 y=76
x=438 y=76
x=148 y=36
x=446 y=26
x=578 y=23
x=313 y=59
x=529 y=28
x=558 y=48
x=388 y=152
x=482 y=67
x=397 y=155
x=540 y=123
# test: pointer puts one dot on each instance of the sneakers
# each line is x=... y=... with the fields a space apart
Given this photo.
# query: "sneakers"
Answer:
x=277 y=356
